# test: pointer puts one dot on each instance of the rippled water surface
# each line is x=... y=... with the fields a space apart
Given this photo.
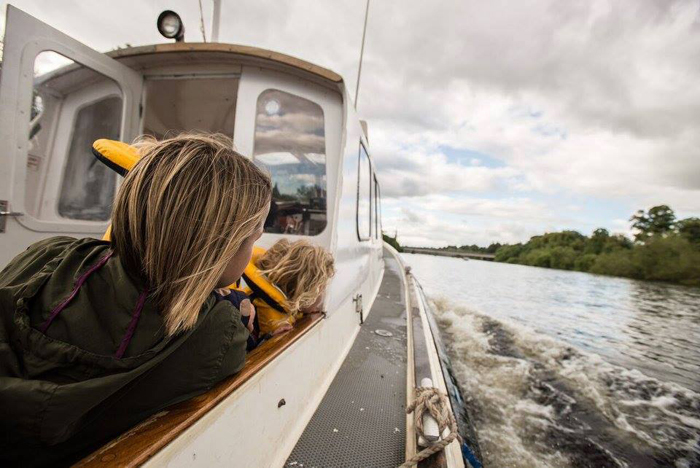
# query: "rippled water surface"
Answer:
x=571 y=369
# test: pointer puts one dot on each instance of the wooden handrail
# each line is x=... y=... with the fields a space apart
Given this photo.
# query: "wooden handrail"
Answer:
x=135 y=447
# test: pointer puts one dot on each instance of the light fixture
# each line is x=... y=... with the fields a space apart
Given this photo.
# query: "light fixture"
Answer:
x=170 y=26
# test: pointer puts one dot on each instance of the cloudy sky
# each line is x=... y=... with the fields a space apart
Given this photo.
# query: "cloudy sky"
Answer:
x=489 y=120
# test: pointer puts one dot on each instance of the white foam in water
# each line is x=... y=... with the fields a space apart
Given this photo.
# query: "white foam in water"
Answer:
x=539 y=402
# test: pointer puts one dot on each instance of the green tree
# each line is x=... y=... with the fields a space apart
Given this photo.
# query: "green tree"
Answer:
x=493 y=248
x=585 y=262
x=689 y=228
x=597 y=242
x=509 y=253
x=671 y=258
x=392 y=241
x=617 y=242
x=537 y=257
x=562 y=258
x=666 y=249
x=658 y=221
x=616 y=263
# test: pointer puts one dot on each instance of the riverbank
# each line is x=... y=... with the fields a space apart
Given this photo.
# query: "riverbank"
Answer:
x=449 y=253
x=671 y=258
x=664 y=249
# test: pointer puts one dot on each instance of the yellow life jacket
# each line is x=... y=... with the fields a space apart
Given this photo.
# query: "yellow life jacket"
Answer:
x=118 y=156
x=269 y=301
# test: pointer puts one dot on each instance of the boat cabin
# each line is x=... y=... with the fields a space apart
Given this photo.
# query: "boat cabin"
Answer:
x=295 y=119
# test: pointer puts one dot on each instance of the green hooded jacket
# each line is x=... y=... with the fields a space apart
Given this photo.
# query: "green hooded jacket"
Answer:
x=63 y=393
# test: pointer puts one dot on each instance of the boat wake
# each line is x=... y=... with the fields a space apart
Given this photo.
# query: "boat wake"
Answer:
x=539 y=402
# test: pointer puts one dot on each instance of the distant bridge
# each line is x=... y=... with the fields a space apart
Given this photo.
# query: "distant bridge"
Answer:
x=450 y=253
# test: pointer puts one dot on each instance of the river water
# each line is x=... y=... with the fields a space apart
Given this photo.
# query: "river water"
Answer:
x=569 y=369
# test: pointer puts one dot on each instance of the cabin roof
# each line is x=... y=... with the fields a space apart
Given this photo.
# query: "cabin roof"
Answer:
x=239 y=50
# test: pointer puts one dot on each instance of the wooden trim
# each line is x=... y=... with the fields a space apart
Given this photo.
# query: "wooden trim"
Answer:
x=136 y=446
x=248 y=51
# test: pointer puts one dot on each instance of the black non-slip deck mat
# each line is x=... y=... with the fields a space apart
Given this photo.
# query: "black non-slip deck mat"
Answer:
x=361 y=420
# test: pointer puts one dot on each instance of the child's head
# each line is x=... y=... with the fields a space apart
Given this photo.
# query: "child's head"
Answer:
x=185 y=220
x=301 y=270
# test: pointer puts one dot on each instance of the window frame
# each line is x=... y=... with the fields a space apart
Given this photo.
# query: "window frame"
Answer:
x=26 y=38
x=357 y=204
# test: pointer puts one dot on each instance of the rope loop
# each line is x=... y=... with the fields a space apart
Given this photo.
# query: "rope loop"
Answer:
x=435 y=402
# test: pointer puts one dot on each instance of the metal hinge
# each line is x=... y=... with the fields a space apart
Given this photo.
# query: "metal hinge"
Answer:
x=358 y=307
x=5 y=212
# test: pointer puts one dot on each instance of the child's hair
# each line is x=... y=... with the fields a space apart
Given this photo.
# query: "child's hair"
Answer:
x=301 y=270
x=181 y=214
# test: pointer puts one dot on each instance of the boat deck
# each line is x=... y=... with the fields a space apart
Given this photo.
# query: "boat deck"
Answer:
x=361 y=420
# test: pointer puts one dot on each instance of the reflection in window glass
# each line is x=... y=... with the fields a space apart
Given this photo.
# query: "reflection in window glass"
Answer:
x=364 y=196
x=204 y=104
x=50 y=87
x=88 y=186
x=290 y=144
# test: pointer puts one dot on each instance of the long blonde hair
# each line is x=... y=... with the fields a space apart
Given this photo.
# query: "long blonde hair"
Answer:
x=181 y=214
x=299 y=269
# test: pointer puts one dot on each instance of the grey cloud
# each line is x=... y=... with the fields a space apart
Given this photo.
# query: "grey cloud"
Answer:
x=612 y=64
x=613 y=82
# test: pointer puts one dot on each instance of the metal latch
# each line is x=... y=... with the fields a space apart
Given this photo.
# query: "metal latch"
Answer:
x=358 y=306
x=5 y=212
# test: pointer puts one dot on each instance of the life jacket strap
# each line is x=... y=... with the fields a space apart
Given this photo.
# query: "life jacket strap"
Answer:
x=258 y=292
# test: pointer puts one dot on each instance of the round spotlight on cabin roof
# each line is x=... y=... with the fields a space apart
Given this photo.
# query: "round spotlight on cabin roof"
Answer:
x=170 y=26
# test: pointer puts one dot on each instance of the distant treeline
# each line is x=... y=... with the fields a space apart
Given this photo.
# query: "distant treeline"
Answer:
x=664 y=249
x=491 y=249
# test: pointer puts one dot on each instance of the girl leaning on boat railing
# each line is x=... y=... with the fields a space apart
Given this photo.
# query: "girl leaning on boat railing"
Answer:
x=283 y=283
x=97 y=335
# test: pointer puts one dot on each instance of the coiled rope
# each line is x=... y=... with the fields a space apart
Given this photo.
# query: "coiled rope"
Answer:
x=435 y=402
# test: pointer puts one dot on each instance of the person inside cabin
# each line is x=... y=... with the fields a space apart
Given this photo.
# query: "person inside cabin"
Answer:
x=284 y=283
x=96 y=336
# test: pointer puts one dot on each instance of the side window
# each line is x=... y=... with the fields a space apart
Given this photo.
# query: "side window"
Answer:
x=72 y=106
x=290 y=144
x=364 y=196
x=377 y=210
x=87 y=188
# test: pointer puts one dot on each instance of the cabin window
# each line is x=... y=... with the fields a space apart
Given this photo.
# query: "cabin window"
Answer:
x=290 y=144
x=72 y=105
x=377 y=210
x=87 y=189
x=364 y=196
x=201 y=103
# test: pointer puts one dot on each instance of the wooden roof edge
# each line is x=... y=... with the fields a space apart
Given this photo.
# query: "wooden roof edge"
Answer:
x=236 y=49
x=143 y=441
